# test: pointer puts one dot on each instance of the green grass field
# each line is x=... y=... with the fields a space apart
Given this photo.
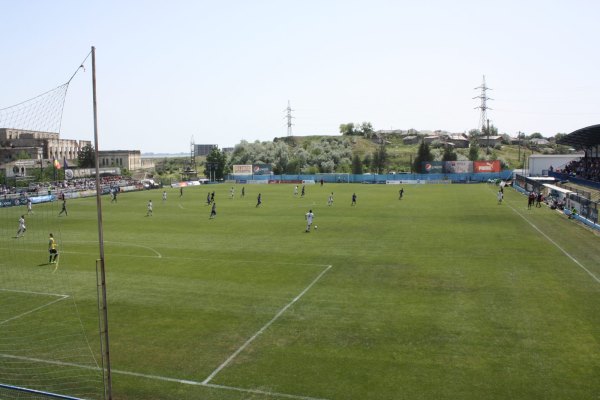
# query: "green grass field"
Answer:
x=441 y=295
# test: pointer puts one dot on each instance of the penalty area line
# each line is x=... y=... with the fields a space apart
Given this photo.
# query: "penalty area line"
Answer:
x=264 y=328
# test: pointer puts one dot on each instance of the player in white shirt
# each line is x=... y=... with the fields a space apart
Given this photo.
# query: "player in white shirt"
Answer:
x=309 y=219
x=22 y=227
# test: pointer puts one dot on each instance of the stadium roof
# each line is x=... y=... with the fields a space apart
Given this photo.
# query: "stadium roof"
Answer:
x=584 y=137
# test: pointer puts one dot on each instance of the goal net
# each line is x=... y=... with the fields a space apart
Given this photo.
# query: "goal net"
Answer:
x=333 y=177
x=49 y=343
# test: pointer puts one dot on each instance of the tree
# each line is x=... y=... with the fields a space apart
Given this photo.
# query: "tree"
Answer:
x=215 y=164
x=559 y=136
x=347 y=129
x=473 y=151
x=86 y=157
x=367 y=161
x=449 y=154
x=380 y=159
x=23 y=155
x=536 y=135
x=366 y=129
x=357 y=166
x=423 y=154
x=473 y=133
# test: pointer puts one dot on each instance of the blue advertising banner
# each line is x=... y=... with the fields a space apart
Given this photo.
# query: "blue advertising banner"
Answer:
x=433 y=167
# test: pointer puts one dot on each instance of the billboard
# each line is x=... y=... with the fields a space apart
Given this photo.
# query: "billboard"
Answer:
x=432 y=167
x=486 y=166
x=262 y=169
x=458 y=167
x=242 y=169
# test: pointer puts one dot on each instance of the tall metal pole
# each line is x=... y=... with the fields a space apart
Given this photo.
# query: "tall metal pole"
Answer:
x=519 y=141
x=487 y=130
x=104 y=315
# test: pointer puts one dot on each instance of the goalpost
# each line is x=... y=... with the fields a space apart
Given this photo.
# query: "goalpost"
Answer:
x=340 y=177
x=46 y=349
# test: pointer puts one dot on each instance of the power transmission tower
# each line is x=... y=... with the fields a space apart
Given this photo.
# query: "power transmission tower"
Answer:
x=191 y=169
x=483 y=106
x=289 y=117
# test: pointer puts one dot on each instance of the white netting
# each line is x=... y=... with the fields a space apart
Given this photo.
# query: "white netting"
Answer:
x=43 y=341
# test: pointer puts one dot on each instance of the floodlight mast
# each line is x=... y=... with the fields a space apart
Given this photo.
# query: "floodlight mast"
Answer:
x=103 y=318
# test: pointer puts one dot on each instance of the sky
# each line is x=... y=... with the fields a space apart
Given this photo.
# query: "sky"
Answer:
x=219 y=72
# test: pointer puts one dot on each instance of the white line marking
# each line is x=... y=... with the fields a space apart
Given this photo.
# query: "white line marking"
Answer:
x=556 y=244
x=125 y=244
x=256 y=391
x=34 y=310
x=265 y=327
x=29 y=292
x=140 y=245
x=163 y=378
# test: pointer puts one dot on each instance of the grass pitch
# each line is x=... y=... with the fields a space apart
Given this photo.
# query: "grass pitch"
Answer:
x=441 y=295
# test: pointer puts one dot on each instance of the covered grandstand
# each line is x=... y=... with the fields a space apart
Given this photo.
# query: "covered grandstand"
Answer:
x=586 y=170
x=583 y=173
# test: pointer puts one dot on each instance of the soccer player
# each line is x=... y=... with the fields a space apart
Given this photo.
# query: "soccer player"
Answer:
x=64 y=208
x=208 y=199
x=149 y=212
x=309 y=219
x=181 y=191
x=29 y=211
x=243 y=191
x=114 y=194
x=164 y=195
x=213 y=211
x=296 y=191
x=330 y=200
x=258 y=200
x=500 y=196
x=530 y=200
x=353 y=199
x=231 y=193
x=302 y=194
x=52 y=249
x=400 y=193
x=22 y=227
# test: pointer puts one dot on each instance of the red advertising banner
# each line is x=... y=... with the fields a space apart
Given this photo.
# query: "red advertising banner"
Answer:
x=486 y=166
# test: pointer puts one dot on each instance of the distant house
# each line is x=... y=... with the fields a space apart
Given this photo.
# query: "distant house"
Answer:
x=515 y=140
x=203 y=149
x=539 y=142
x=489 y=140
x=389 y=132
x=432 y=138
x=459 y=141
x=130 y=159
x=410 y=140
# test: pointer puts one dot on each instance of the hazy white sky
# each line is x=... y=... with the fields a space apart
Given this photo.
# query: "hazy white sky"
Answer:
x=223 y=71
